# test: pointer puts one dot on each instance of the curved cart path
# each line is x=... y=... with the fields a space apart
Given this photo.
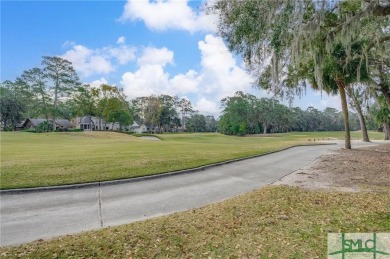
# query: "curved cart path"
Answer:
x=40 y=215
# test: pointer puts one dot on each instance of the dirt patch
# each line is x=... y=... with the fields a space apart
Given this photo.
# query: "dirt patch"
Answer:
x=363 y=169
x=150 y=138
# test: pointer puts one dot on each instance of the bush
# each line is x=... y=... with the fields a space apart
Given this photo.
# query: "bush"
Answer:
x=8 y=128
x=45 y=126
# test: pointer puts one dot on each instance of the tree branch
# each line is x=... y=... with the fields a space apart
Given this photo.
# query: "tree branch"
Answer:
x=374 y=7
x=381 y=40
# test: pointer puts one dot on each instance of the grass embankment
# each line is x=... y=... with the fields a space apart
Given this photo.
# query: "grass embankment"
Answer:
x=32 y=160
x=276 y=222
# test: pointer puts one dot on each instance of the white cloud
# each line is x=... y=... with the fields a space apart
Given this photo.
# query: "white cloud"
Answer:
x=121 y=40
x=170 y=14
x=68 y=44
x=98 y=61
x=124 y=54
x=218 y=77
x=330 y=101
x=150 y=78
x=220 y=73
x=186 y=83
x=98 y=82
x=87 y=61
x=147 y=80
x=155 y=56
x=207 y=107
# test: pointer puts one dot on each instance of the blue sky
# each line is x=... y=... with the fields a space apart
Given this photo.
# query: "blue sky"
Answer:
x=145 y=47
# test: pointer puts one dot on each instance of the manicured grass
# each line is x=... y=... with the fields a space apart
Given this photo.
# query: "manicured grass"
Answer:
x=273 y=222
x=31 y=160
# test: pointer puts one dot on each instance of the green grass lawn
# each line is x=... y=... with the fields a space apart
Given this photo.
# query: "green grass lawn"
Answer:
x=272 y=222
x=31 y=160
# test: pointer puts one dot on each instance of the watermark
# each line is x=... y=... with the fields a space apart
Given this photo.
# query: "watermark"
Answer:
x=358 y=245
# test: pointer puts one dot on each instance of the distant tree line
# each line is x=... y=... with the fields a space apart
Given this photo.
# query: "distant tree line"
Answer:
x=246 y=114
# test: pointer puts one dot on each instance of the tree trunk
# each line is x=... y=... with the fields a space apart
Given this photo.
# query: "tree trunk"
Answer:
x=56 y=86
x=54 y=111
x=386 y=130
x=344 y=106
x=358 y=108
x=387 y=97
x=386 y=93
x=264 y=128
x=45 y=110
x=363 y=127
x=13 y=124
x=183 y=121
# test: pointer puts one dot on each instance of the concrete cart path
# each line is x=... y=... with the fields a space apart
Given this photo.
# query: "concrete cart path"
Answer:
x=41 y=215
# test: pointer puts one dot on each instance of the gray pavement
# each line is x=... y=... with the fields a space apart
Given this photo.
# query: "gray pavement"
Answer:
x=28 y=216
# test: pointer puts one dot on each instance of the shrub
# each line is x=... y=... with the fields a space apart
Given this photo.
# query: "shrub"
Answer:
x=8 y=128
x=45 y=126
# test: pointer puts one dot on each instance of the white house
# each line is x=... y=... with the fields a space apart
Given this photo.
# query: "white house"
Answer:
x=138 y=127
x=96 y=123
